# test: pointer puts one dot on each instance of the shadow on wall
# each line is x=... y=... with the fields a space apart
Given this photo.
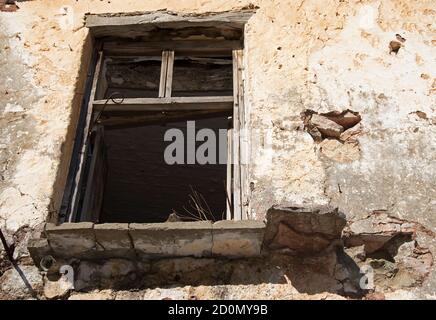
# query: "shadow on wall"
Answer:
x=76 y=117
x=311 y=275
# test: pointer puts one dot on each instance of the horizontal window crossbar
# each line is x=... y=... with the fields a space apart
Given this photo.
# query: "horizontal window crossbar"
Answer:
x=215 y=47
x=166 y=104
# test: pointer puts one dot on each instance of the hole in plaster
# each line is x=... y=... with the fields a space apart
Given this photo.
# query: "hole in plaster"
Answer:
x=420 y=114
x=394 y=46
x=390 y=249
x=335 y=132
x=331 y=125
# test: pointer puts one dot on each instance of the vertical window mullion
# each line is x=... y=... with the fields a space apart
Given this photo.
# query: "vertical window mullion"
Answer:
x=166 y=74
x=73 y=214
x=229 y=179
x=163 y=74
x=237 y=209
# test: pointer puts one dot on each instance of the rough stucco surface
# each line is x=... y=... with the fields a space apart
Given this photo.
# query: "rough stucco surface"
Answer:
x=309 y=54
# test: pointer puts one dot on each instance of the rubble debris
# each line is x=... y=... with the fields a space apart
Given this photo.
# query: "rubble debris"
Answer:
x=336 y=133
x=331 y=124
x=351 y=134
x=57 y=289
x=390 y=247
x=376 y=230
x=347 y=119
x=327 y=127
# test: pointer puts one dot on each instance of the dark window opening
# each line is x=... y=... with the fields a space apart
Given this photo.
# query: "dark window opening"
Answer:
x=135 y=99
x=144 y=81
x=142 y=187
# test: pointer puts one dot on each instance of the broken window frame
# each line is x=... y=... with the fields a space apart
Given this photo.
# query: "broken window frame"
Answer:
x=237 y=207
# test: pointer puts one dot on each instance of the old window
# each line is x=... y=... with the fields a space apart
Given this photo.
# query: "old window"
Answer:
x=141 y=88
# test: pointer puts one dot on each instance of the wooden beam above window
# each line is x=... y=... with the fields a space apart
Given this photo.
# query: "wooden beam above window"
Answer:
x=137 y=24
x=166 y=104
x=204 y=47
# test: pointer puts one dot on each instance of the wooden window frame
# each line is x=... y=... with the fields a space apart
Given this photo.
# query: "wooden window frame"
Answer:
x=237 y=180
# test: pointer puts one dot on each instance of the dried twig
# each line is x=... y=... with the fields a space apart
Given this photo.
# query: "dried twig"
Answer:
x=198 y=209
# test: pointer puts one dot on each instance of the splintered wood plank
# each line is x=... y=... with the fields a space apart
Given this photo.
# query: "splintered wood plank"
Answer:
x=83 y=150
x=237 y=212
x=243 y=140
x=167 y=104
x=169 y=77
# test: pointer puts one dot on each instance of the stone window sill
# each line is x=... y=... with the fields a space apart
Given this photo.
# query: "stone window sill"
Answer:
x=86 y=240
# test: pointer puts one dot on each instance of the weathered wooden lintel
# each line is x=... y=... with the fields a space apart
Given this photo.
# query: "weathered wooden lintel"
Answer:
x=135 y=24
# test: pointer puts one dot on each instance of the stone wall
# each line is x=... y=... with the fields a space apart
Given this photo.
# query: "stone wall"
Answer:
x=303 y=56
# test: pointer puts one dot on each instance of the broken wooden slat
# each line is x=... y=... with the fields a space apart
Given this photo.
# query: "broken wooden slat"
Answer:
x=82 y=154
x=229 y=183
x=95 y=182
x=167 y=104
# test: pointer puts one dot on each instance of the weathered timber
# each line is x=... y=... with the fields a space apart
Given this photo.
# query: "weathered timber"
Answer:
x=216 y=47
x=167 y=104
x=135 y=24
